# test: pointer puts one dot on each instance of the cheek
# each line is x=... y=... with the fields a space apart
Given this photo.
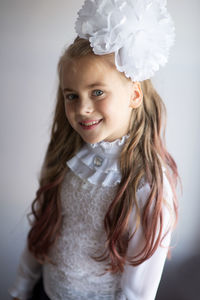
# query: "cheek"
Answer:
x=68 y=111
x=106 y=110
x=107 y=107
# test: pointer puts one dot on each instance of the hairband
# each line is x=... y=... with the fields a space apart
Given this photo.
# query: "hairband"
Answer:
x=139 y=32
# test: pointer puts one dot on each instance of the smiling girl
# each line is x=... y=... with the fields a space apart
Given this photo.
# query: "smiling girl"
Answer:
x=97 y=103
x=106 y=206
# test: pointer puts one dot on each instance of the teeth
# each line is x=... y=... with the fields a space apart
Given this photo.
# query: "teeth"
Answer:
x=90 y=123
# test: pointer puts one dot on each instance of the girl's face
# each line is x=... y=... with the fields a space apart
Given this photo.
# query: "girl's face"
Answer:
x=97 y=98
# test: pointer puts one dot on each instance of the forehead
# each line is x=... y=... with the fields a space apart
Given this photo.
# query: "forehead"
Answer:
x=89 y=69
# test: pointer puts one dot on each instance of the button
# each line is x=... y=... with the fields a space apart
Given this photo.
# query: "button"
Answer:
x=98 y=160
x=84 y=185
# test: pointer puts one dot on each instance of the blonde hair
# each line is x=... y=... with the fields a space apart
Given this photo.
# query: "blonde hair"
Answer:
x=143 y=156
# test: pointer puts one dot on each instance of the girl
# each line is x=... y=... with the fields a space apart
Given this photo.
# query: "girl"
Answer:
x=106 y=205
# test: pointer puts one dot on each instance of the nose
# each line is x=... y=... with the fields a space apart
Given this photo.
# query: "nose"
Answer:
x=84 y=106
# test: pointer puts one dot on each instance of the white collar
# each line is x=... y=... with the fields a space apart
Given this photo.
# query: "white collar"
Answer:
x=99 y=163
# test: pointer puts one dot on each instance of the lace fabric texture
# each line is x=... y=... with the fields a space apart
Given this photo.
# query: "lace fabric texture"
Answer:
x=76 y=275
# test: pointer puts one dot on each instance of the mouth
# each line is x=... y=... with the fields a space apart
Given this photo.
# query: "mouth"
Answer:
x=90 y=124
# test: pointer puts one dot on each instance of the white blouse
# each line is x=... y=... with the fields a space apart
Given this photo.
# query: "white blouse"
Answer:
x=87 y=191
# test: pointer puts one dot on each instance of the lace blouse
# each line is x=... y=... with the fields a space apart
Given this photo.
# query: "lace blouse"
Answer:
x=86 y=193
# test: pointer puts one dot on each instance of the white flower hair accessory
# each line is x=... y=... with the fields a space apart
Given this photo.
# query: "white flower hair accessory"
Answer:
x=139 y=32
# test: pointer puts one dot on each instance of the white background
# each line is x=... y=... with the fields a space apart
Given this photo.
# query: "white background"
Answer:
x=32 y=37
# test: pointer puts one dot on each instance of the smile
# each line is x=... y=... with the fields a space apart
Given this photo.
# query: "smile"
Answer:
x=89 y=124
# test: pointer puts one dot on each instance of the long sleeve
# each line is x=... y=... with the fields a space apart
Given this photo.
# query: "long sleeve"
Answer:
x=141 y=282
x=29 y=271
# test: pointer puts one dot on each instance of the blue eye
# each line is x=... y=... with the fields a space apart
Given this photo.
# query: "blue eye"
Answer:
x=97 y=93
x=71 y=97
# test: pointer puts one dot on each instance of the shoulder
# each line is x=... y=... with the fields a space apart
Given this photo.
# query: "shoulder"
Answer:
x=167 y=202
x=144 y=190
x=167 y=208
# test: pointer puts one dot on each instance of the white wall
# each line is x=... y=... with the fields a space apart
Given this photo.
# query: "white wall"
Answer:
x=32 y=36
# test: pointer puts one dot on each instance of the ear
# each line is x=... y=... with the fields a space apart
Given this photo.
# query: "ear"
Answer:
x=137 y=95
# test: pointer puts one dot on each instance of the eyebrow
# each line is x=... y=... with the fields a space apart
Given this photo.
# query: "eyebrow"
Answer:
x=87 y=87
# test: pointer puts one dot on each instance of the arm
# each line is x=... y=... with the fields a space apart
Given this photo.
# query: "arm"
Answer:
x=29 y=272
x=141 y=282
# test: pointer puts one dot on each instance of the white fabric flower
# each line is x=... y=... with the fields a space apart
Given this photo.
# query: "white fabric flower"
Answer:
x=139 y=32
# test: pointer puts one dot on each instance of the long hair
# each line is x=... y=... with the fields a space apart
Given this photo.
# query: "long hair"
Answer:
x=143 y=156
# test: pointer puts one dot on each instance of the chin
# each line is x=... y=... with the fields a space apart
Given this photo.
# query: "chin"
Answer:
x=92 y=140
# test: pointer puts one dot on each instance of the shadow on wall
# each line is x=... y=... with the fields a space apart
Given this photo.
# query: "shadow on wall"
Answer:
x=181 y=282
